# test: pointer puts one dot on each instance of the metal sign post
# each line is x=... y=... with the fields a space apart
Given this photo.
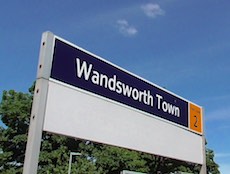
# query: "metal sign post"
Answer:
x=39 y=105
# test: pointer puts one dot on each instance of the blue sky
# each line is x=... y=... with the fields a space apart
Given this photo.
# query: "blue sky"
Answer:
x=183 y=46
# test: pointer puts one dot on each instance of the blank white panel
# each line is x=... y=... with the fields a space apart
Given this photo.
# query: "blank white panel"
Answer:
x=75 y=113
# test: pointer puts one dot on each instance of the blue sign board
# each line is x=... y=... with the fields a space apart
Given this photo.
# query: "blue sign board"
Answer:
x=86 y=71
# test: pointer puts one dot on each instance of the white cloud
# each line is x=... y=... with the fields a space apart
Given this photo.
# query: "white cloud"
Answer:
x=125 y=28
x=221 y=114
x=222 y=155
x=152 y=10
x=218 y=98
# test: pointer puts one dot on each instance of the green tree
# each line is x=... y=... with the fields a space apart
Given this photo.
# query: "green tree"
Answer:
x=15 y=111
x=212 y=167
x=114 y=159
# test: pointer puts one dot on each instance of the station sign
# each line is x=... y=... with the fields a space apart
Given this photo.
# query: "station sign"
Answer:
x=81 y=69
x=81 y=95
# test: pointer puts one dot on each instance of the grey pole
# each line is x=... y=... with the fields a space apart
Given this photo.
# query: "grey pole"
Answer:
x=39 y=105
x=203 y=169
x=70 y=159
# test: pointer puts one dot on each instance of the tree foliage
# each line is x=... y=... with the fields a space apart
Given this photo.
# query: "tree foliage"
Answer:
x=95 y=158
x=212 y=167
x=15 y=111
